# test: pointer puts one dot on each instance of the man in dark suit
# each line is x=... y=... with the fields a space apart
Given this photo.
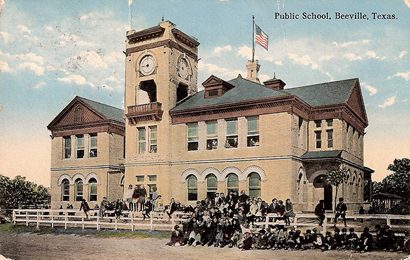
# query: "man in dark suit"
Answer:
x=341 y=209
x=320 y=211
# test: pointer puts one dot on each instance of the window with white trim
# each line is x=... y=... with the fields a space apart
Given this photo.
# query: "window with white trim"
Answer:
x=93 y=145
x=67 y=147
x=65 y=190
x=211 y=135
x=141 y=139
x=231 y=133
x=80 y=146
x=329 y=138
x=253 y=131
x=79 y=189
x=254 y=183
x=152 y=139
x=92 y=189
x=192 y=133
x=192 y=188
x=232 y=182
x=211 y=186
x=318 y=135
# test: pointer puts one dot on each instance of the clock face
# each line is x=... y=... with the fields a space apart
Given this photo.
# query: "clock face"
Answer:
x=147 y=65
x=183 y=68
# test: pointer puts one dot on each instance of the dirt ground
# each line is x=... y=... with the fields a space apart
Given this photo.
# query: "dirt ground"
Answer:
x=50 y=246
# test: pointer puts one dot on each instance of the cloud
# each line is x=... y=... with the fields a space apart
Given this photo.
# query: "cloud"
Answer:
x=372 y=54
x=30 y=57
x=388 y=102
x=404 y=75
x=407 y=2
x=351 y=43
x=91 y=58
x=40 y=85
x=75 y=79
x=4 y=67
x=34 y=67
x=1 y=5
x=372 y=90
x=113 y=57
x=305 y=60
x=403 y=53
x=23 y=29
x=352 y=57
x=245 y=51
x=217 y=70
x=220 y=49
x=6 y=37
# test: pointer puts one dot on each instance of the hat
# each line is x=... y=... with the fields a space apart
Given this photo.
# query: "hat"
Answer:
x=176 y=226
x=351 y=229
x=340 y=199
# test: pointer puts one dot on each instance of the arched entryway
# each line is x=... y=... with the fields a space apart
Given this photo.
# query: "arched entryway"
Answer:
x=326 y=189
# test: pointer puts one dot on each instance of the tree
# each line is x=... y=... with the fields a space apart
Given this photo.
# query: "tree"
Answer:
x=18 y=191
x=398 y=182
x=335 y=178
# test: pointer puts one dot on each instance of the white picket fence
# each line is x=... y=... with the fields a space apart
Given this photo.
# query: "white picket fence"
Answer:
x=73 y=218
x=160 y=221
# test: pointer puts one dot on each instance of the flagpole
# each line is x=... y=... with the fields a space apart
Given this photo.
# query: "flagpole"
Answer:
x=129 y=13
x=253 y=38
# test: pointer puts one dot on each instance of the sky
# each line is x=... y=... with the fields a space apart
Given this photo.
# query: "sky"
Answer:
x=52 y=51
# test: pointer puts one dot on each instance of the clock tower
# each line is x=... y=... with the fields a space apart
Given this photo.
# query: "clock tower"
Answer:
x=161 y=69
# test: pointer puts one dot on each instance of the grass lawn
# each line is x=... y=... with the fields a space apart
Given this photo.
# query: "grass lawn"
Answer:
x=10 y=228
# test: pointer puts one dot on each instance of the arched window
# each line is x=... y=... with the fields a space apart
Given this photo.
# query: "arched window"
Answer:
x=254 y=185
x=65 y=190
x=319 y=181
x=211 y=186
x=92 y=186
x=192 y=187
x=232 y=182
x=78 y=189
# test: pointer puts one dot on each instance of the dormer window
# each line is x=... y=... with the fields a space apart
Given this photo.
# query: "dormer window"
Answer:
x=215 y=87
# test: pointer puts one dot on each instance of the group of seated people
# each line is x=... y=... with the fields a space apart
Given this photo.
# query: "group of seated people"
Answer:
x=229 y=221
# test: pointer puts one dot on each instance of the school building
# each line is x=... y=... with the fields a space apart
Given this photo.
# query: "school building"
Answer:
x=189 y=142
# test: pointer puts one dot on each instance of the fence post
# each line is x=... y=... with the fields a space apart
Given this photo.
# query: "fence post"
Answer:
x=325 y=225
x=295 y=222
x=65 y=220
x=52 y=221
x=388 y=220
x=14 y=217
x=38 y=219
x=26 y=218
x=98 y=222
x=132 y=221
x=82 y=222
x=116 y=224
x=151 y=221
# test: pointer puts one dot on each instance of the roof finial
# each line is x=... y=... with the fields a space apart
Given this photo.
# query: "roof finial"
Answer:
x=162 y=18
x=274 y=75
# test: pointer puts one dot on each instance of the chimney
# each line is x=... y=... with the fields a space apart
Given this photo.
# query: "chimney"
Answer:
x=252 y=69
x=276 y=84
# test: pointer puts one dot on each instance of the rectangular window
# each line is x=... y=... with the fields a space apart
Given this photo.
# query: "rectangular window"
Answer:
x=318 y=123
x=329 y=122
x=80 y=146
x=253 y=131
x=211 y=135
x=93 y=145
x=67 y=146
x=231 y=133
x=153 y=139
x=329 y=138
x=141 y=139
x=140 y=178
x=152 y=178
x=318 y=139
x=93 y=191
x=192 y=136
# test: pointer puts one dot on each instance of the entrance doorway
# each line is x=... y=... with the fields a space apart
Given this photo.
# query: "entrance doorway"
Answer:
x=320 y=182
x=328 y=196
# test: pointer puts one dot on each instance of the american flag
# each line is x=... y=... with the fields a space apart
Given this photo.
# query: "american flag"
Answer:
x=261 y=38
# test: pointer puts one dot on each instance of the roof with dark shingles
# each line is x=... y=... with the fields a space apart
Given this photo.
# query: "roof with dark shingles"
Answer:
x=107 y=111
x=321 y=154
x=244 y=90
x=328 y=93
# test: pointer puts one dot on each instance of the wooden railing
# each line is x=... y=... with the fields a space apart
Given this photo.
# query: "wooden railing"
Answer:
x=160 y=220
